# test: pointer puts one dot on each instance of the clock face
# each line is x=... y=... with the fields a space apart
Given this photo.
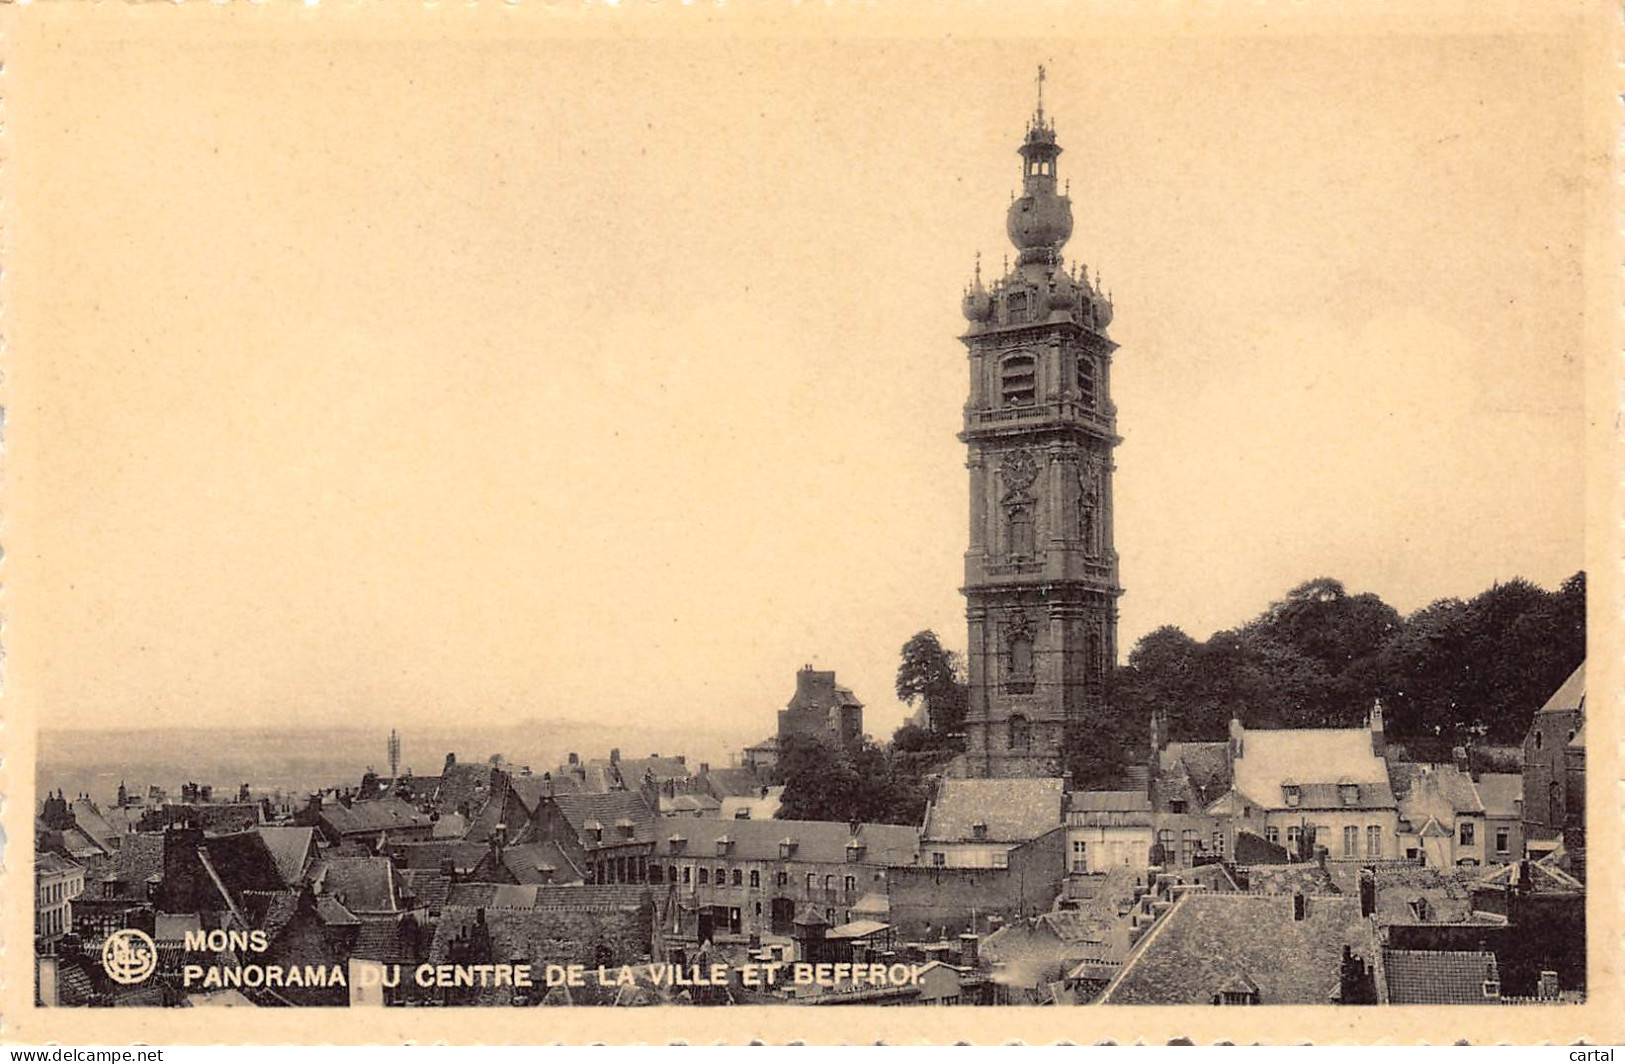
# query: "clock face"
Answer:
x=1020 y=469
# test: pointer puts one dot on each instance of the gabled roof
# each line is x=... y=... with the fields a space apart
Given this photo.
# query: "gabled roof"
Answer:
x=88 y=815
x=541 y=862
x=1304 y=878
x=451 y=825
x=1012 y=810
x=1446 y=893
x=140 y=857
x=816 y=841
x=428 y=889
x=1571 y=696
x=609 y=809
x=216 y=818
x=361 y=884
x=290 y=849
x=50 y=864
x=1436 y=977
x=242 y=861
x=1318 y=760
x=1202 y=767
x=1438 y=792
x=465 y=856
x=741 y=782
x=389 y=940
x=365 y=818
x=1501 y=793
x=1206 y=941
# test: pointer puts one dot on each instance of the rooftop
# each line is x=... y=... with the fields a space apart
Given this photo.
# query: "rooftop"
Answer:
x=1437 y=977
x=815 y=841
x=1009 y=810
x=1571 y=697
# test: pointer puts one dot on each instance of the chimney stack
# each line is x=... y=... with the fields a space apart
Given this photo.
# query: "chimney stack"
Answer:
x=1238 y=736
x=970 y=950
x=1379 y=741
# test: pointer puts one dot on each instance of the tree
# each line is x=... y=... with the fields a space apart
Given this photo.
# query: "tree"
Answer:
x=933 y=676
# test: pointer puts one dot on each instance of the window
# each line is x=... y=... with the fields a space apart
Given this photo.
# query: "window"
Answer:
x=1503 y=840
x=1373 y=841
x=1537 y=740
x=1554 y=798
x=1468 y=834
x=671 y=873
x=687 y=869
x=1086 y=380
x=1293 y=834
x=705 y=876
x=654 y=873
x=1001 y=859
x=1021 y=657
x=938 y=858
x=1189 y=843
x=1293 y=794
x=1177 y=805
x=1018 y=303
x=851 y=884
x=722 y=877
x=1018 y=375
x=1080 y=855
x=829 y=916
x=1165 y=839
x=1021 y=532
x=755 y=879
x=812 y=883
x=782 y=879
x=739 y=878
x=1020 y=733
x=1351 y=841
x=1235 y=997
x=1218 y=843
x=829 y=884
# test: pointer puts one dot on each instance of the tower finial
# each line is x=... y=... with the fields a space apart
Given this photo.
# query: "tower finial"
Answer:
x=1040 y=94
x=978 y=267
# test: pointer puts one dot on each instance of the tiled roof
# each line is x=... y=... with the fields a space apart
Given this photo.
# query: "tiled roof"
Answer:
x=140 y=857
x=1408 y=895
x=270 y=911
x=1305 y=878
x=88 y=815
x=1440 y=792
x=1108 y=801
x=47 y=864
x=333 y=913
x=362 y=884
x=1501 y=793
x=463 y=783
x=429 y=889
x=389 y=940
x=1207 y=940
x=1205 y=766
x=1318 y=760
x=216 y=818
x=450 y=826
x=1013 y=810
x=290 y=849
x=1437 y=977
x=382 y=814
x=536 y=936
x=465 y=856
x=540 y=862
x=734 y=783
x=1571 y=696
x=689 y=803
x=816 y=841
x=242 y=861
x=491 y=896
x=608 y=810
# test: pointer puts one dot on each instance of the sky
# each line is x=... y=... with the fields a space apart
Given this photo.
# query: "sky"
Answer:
x=407 y=381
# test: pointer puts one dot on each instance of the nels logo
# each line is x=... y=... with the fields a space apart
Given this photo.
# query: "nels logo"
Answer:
x=129 y=956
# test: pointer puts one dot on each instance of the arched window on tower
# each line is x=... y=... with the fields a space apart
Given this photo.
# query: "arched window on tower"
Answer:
x=1087 y=383
x=1096 y=658
x=1554 y=802
x=1021 y=531
x=1020 y=732
x=1018 y=381
x=1021 y=656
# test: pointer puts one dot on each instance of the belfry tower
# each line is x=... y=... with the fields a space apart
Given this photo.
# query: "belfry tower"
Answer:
x=1041 y=582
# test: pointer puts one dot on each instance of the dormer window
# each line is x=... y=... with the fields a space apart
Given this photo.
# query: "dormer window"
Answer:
x=676 y=843
x=855 y=850
x=594 y=830
x=1348 y=793
x=723 y=845
x=1293 y=793
x=787 y=849
x=1018 y=377
x=978 y=830
x=625 y=827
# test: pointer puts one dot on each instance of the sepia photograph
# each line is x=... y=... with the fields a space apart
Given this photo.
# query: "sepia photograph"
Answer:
x=521 y=509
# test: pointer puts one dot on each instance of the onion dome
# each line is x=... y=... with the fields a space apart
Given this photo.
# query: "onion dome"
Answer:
x=1039 y=223
x=1063 y=294
x=978 y=303
x=1103 y=310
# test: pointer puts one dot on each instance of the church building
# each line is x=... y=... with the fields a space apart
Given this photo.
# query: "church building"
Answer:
x=1041 y=580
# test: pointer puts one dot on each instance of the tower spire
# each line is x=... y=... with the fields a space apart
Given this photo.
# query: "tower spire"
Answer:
x=1039 y=115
